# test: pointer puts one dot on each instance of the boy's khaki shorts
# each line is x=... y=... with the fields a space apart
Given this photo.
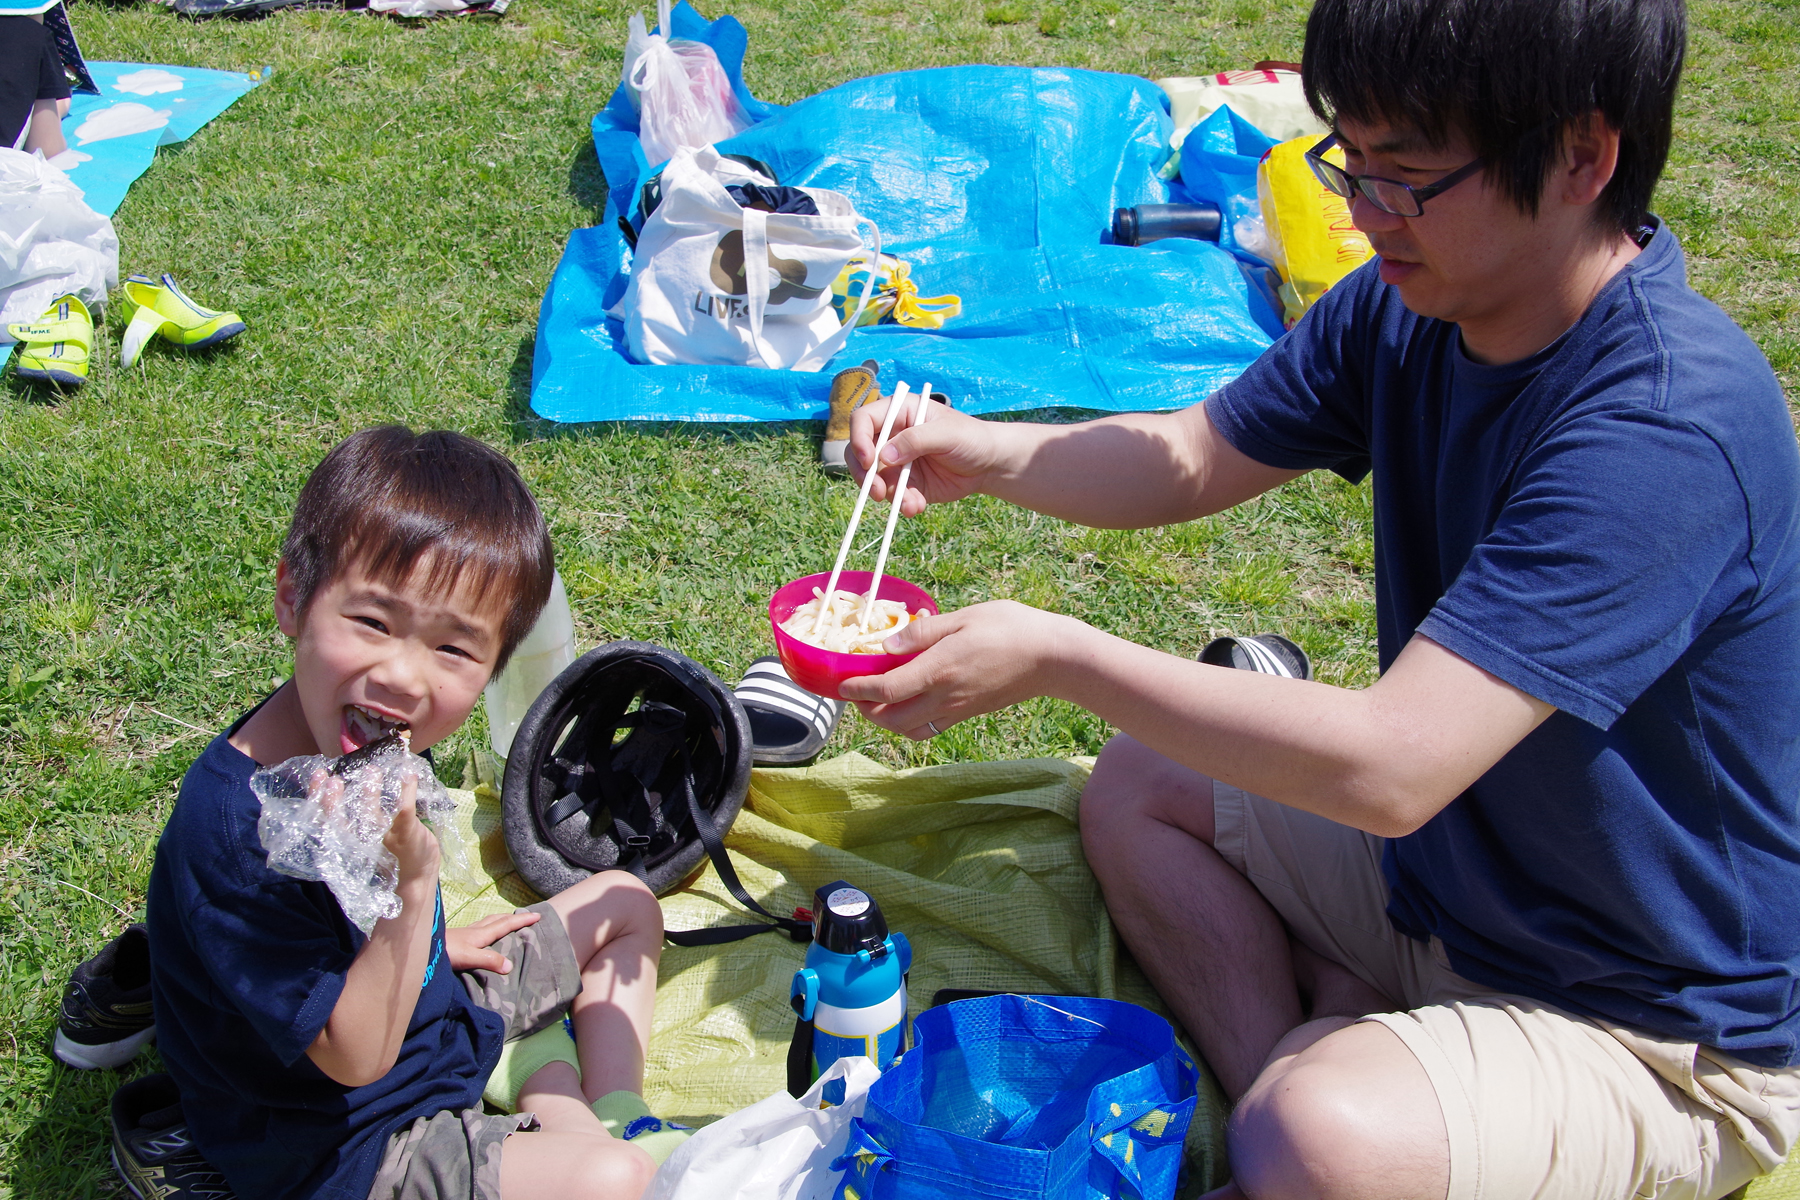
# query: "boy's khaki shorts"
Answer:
x=1538 y=1102
x=456 y=1155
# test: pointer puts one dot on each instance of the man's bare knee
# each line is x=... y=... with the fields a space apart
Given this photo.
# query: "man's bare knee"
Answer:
x=1132 y=785
x=1351 y=1118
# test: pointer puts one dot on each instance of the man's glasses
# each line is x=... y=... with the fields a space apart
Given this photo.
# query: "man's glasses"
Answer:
x=1389 y=195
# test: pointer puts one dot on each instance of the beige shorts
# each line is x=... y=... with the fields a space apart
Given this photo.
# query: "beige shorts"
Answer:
x=1538 y=1102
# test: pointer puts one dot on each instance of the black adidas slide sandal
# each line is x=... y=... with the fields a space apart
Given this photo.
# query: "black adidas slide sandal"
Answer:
x=788 y=724
x=1269 y=653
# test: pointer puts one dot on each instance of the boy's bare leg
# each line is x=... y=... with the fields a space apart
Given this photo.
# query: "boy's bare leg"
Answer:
x=616 y=927
x=573 y=1156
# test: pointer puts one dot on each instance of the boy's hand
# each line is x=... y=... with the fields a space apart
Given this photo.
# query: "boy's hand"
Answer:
x=407 y=838
x=467 y=945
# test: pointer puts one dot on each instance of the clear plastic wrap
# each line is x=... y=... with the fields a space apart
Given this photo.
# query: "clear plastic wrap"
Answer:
x=314 y=831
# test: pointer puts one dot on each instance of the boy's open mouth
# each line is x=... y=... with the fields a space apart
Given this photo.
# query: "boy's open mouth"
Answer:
x=362 y=726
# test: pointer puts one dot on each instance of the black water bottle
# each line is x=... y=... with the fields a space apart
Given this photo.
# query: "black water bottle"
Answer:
x=1150 y=222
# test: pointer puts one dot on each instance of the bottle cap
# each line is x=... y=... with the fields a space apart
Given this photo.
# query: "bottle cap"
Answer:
x=846 y=919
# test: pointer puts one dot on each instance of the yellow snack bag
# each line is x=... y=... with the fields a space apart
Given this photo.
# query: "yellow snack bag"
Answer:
x=1312 y=239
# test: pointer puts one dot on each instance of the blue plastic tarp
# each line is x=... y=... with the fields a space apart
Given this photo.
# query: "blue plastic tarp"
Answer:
x=140 y=106
x=1219 y=158
x=997 y=184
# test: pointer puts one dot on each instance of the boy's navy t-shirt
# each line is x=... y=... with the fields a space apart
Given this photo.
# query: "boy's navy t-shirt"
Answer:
x=1613 y=527
x=246 y=966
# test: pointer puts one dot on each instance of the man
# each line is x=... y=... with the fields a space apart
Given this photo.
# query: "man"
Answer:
x=1523 y=917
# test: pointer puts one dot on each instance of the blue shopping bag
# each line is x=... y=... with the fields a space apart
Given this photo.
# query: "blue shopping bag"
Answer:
x=1026 y=1098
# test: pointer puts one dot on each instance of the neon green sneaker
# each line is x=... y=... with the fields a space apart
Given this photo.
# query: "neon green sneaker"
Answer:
x=55 y=347
x=163 y=308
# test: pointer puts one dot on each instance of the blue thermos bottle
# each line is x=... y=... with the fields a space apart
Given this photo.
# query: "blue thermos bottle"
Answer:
x=850 y=997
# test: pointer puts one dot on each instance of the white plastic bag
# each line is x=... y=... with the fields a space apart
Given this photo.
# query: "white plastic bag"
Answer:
x=51 y=242
x=714 y=282
x=777 y=1149
x=682 y=94
x=417 y=8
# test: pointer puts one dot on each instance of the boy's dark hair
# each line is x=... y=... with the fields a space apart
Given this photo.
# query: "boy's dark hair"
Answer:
x=1509 y=75
x=387 y=497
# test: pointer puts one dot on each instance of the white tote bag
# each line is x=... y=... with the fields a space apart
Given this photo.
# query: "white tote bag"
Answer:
x=713 y=282
x=777 y=1149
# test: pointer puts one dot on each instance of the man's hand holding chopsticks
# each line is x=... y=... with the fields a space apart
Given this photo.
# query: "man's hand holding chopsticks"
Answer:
x=952 y=455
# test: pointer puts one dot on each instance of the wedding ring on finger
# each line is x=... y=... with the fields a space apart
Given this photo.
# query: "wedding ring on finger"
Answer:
x=932 y=725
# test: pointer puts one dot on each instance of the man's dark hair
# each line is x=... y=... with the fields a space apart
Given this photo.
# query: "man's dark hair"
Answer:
x=1509 y=75
x=387 y=497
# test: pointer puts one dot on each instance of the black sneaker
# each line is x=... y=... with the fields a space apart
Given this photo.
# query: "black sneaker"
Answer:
x=106 y=1016
x=151 y=1149
x=1269 y=653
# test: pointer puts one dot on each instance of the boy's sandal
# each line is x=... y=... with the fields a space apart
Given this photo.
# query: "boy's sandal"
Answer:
x=163 y=308
x=788 y=724
x=1269 y=653
x=55 y=347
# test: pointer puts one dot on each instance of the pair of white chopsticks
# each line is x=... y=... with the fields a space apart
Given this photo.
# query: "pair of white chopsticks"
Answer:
x=898 y=402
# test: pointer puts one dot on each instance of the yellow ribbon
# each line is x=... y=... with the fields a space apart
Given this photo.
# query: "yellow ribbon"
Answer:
x=909 y=308
x=896 y=296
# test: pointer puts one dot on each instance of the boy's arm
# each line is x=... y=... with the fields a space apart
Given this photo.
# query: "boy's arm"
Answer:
x=361 y=1041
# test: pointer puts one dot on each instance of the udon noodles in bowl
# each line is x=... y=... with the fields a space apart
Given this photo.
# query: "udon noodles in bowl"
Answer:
x=819 y=661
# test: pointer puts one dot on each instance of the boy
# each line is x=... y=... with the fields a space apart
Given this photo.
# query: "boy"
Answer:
x=1522 y=918
x=314 y=1061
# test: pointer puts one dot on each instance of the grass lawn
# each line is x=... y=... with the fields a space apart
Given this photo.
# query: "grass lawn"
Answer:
x=386 y=212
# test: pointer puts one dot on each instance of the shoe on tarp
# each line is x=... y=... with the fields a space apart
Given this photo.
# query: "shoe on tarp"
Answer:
x=106 y=1016
x=850 y=390
x=788 y=724
x=1269 y=653
x=55 y=347
x=152 y=1150
x=164 y=309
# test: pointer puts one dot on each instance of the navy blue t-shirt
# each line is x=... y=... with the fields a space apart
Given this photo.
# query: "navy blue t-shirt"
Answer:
x=246 y=966
x=1613 y=527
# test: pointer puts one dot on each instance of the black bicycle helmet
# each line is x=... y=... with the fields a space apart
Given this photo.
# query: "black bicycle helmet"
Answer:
x=611 y=763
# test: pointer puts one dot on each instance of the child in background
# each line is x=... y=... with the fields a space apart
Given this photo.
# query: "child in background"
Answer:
x=313 y=1061
x=34 y=92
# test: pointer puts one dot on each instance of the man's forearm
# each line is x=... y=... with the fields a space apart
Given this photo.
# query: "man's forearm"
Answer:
x=1131 y=471
x=1384 y=759
x=367 y=1027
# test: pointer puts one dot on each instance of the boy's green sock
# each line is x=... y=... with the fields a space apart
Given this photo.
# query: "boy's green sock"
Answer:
x=521 y=1059
x=627 y=1117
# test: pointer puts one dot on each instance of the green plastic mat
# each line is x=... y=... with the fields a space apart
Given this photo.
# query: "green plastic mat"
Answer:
x=979 y=864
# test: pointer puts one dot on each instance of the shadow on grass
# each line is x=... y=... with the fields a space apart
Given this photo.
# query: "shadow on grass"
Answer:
x=528 y=426
x=65 y=1152
x=587 y=184
x=31 y=391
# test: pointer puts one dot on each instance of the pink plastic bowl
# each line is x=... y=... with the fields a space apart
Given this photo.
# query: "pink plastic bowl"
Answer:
x=820 y=671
